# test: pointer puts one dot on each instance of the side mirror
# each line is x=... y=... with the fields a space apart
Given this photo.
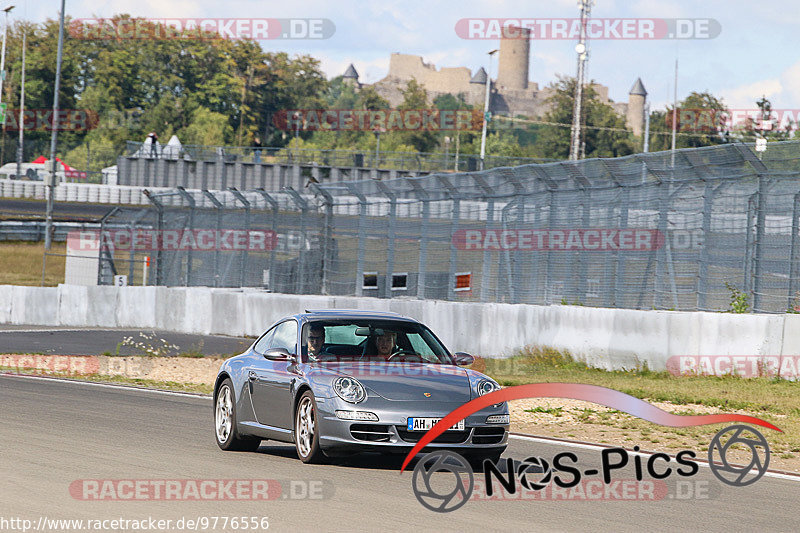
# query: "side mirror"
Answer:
x=278 y=354
x=464 y=359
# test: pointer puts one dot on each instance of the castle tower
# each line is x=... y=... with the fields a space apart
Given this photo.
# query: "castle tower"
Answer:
x=479 y=77
x=351 y=76
x=477 y=88
x=635 y=115
x=515 y=51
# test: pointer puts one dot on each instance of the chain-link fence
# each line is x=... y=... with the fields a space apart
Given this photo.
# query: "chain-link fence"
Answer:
x=420 y=162
x=700 y=229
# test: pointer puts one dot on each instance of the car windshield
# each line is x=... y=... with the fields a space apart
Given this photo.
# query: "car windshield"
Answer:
x=373 y=341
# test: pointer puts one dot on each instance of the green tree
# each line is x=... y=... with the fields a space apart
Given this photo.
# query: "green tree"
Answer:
x=768 y=125
x=207 y=128
x=603 y=133
x=701 y=121
x=415 y=97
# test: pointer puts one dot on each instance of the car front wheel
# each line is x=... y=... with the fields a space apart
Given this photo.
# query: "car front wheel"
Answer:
x=227 y=435
x=306 y=430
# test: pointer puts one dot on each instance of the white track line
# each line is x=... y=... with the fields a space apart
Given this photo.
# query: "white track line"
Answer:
x=530 y=438
x=62 y=330
x=109 y=385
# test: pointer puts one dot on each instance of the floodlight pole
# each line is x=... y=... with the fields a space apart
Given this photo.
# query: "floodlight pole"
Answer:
x=20 y=148
x=674 y=115
x=51 y=185
x=486 y=108
x=583 y=54
x=3 y=53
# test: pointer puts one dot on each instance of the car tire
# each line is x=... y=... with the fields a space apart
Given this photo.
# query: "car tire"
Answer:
x=306 y=430
x=226 y=432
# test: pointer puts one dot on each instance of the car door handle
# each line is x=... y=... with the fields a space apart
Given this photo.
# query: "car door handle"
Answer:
x=252 y=375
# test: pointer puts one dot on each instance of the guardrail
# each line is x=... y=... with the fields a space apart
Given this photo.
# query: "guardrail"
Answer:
x=613 y=339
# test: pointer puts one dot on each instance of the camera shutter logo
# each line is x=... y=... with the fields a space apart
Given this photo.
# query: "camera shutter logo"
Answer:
x=534 y=465
x=458 y=489
x=738 y=436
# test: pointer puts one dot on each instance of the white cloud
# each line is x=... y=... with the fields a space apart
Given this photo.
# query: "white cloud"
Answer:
x=783 y=91
x=741 y=65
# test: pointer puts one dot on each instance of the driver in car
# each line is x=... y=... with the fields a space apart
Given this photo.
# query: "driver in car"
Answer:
x=386 y=344
x=316 y=339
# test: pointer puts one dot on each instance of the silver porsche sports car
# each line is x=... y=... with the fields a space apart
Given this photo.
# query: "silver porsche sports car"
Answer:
x=336 y=382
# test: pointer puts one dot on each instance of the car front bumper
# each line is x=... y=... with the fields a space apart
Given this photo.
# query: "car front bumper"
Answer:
x=390 y=433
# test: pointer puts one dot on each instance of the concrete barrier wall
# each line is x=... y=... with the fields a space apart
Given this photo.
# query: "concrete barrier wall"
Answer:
x=605 y=338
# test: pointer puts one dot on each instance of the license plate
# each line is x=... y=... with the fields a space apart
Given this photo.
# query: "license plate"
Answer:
x=424 y=424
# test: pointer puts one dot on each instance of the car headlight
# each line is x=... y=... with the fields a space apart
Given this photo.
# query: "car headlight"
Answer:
x=486 y=386
x=349 y=389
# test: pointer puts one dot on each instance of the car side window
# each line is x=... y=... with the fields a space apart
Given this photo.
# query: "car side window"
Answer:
x=285 y=336
x=262 y=345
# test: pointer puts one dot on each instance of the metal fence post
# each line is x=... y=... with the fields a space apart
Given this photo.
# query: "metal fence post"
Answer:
x=455 y=215
x=274 y=204
x=514 y=263
x=239 y=196
x=583 y=263
x=327 y=201
x=423 y=196
x=218 y=206
x=132 y=259
x=793 y=256
x=388 y=193
x=190 y=199
x=749 y=246
x=761 y=219
x=160 y=228
x=487 y=254
x=705 y=254
x=506 y=255
x=660 y=254
x=301 y=203
x=362 y=223
x=619 y=273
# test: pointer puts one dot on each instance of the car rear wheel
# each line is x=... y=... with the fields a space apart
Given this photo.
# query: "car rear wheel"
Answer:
x=227 y=435
x=306 y=430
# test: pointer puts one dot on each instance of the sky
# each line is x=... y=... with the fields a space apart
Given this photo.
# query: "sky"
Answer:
x=752 y=56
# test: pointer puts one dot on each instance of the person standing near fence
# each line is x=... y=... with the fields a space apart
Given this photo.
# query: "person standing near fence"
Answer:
x=257 y=149
x=152 y=137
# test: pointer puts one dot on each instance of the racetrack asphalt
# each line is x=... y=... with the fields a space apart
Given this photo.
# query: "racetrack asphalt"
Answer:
x=97 y=341
x=56 y=432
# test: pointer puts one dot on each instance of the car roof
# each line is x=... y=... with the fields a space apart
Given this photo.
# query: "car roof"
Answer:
x=322 y=314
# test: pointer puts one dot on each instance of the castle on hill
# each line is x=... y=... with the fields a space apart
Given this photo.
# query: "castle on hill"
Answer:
x=511 y=93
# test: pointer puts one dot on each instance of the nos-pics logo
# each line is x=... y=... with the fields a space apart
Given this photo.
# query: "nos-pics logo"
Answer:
x=444 y=481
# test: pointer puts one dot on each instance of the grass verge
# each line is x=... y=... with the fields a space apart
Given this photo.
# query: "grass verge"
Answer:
x=21 y=264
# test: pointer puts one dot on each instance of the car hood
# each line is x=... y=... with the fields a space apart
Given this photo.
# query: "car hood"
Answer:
x=408 y=381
